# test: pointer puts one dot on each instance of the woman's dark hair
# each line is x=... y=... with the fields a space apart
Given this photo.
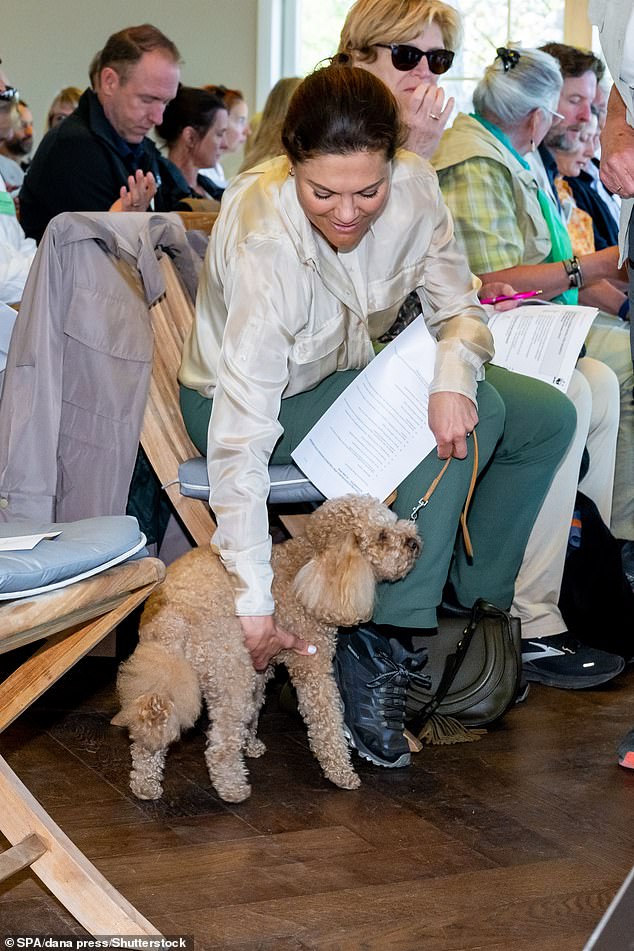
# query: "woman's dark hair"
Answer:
x=229 y=96
x=340 y=109
x=189 y=107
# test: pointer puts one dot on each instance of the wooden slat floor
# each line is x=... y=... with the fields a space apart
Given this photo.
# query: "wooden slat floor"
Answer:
x=518 y=841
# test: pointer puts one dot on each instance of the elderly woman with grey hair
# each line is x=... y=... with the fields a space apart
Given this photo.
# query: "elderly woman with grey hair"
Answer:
x=503 y=221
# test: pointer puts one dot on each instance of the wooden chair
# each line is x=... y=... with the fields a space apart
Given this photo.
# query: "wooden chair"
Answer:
x=199 y=219
x=70 y=621
x=164 y=437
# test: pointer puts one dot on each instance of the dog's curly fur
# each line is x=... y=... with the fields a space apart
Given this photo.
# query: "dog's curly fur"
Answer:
x=190 y=645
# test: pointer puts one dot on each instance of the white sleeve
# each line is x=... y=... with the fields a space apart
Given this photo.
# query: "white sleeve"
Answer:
x=263 y=317
x=627 y=64
x=16 y=257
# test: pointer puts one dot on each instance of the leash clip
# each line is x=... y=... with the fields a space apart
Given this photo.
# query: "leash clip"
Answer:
x=419 y=505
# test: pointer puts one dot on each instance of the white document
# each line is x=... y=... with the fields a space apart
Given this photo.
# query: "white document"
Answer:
x=24 y=542
x=376 y=432
x=542 y=342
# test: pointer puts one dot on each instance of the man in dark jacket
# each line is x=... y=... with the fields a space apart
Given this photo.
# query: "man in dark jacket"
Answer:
x=100 y=158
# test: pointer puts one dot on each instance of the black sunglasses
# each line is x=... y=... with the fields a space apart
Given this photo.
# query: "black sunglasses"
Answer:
x=408 y=57
x=10 y=94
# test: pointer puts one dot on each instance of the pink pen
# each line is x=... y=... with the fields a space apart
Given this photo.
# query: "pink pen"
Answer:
x=497 y=300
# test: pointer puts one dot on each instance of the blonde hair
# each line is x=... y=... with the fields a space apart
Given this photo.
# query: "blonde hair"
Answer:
x=267 y=140
x=68 y=97
x=395 y=21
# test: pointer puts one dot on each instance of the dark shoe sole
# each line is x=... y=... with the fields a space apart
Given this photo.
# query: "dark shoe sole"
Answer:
x=363 y=751
x=584 y=682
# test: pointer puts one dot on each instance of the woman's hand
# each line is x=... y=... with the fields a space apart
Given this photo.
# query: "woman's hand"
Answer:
x=617 y=149
x=451 y=416
x=498 y=289
x=264 y=639
x=137 y=194
x=418 y=111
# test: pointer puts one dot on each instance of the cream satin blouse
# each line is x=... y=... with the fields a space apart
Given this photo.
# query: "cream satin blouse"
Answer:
x=278 y=311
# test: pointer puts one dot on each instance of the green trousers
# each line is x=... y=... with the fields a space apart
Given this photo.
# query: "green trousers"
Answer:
x=523 y=431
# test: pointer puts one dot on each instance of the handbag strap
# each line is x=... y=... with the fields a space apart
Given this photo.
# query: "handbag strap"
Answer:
x=424 y=499
x=453 y=664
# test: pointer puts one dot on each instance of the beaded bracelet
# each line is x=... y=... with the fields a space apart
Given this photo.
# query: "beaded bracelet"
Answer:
x=574 y=272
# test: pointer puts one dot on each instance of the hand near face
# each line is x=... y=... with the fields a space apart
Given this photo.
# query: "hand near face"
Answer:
x=451 y=416
x=419 y=109
x=264 y=639
x=138 y=193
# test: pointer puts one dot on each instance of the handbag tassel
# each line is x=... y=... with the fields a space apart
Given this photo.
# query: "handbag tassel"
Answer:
x=441 y=730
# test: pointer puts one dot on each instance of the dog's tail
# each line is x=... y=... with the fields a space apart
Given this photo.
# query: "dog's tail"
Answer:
x=159 y=695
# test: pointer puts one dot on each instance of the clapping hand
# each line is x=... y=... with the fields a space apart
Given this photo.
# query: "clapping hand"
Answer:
x=137 y=194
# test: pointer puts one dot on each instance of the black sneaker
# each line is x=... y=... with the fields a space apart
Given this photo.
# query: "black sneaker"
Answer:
x=561 y=661
x=373 y=675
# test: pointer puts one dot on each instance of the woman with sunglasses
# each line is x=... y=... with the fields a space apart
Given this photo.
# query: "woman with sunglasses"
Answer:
x=311 y=258
x=423 y=24
x=408 y=44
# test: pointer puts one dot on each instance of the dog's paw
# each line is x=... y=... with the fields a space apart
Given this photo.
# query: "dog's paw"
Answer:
x=236 y=792
x=345 y=779
x=146 y=789
x=254 y=747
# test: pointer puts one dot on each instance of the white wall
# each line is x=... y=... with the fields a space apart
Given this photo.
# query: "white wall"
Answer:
x=48 y=44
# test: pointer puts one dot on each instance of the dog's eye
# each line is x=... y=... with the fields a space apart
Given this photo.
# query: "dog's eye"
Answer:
x=413 y=544
x=382 y=537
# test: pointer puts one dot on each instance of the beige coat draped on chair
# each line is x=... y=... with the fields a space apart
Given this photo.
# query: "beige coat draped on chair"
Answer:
x=79 y=363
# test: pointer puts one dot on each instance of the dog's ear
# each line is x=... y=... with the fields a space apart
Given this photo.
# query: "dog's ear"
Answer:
x=337 y=585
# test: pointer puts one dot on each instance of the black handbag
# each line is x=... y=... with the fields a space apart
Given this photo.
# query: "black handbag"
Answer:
x=476 y=670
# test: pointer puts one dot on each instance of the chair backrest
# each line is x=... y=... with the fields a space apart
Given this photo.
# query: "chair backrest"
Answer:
x=199 y=219
x=164 y=437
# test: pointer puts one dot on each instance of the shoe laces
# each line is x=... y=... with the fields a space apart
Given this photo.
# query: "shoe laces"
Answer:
x=570 y=645
x=392 y=686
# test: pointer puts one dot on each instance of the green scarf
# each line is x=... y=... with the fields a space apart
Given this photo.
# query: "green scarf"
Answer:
x=560 y=244
x=6 y=204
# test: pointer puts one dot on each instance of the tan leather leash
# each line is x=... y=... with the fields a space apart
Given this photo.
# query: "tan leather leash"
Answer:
x=422 y=502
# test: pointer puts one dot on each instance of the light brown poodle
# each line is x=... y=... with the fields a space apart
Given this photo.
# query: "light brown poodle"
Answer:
x=191 y=645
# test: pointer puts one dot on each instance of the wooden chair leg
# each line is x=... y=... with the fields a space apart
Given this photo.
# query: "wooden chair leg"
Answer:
x=65 y=871
x=21 y=856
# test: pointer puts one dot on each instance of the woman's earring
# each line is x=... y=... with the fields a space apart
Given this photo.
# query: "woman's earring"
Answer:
x=291 y=172
x=533 y=146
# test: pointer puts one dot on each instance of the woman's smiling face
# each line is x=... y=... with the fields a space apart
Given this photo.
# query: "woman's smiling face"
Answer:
x=342 y=195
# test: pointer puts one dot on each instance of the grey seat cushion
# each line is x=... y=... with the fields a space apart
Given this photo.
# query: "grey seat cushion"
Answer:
x=288 y=483
x=83 y=548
